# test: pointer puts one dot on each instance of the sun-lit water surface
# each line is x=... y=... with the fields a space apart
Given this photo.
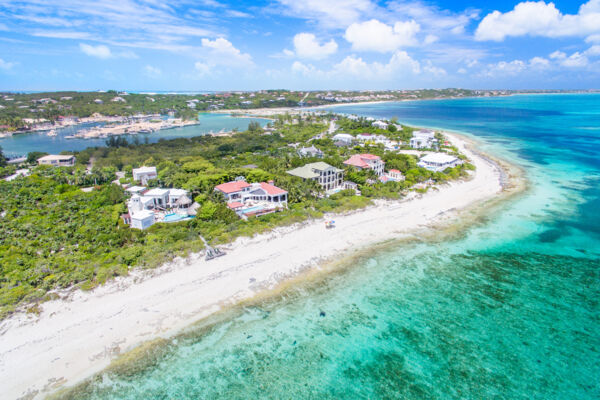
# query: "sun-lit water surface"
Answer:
x=507 y=311
x=21 y=144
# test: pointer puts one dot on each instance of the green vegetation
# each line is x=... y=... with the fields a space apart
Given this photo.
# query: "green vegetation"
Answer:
x=54 y=235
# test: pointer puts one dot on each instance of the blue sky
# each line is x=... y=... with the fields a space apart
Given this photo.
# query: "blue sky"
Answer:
x=298 y=44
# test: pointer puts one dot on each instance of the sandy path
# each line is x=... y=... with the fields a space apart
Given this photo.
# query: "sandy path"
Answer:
x=72 y=339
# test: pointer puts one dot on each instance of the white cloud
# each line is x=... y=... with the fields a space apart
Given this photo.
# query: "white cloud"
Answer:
x=593 y=39
x=99 y=51
x=152 y=72
x=433 y=70
x=431 y=39
x=558 y=55
x=593 y=51
x=539 y=62
x=202 y=69
x=222 y=52
x=575 y=60
x=374 y=35
x=330 y=14
x=504 y=68
x=462 y=71
x=304 y=69
x=6 y=65
x=540 y=19
x=307 y=46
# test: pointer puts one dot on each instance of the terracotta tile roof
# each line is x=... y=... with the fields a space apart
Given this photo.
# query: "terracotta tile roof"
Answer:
x=232 y=187
x=234 y=204
x=271 y=189
x=356 y=161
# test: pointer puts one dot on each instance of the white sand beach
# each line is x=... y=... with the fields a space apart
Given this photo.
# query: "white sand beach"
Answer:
x=77 y=336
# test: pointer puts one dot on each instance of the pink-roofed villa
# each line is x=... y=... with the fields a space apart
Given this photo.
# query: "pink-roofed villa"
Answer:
x=248 y=199
x=366 y=161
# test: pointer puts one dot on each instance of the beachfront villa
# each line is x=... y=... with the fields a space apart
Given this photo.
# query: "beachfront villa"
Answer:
x=438 y=162
x=328 y=177
x=144 y=174
x=423 y=139
x=57 y=160
x=393 y=175
x=253 y=199
x=158 y=205
x=311 y=151
x=366 y=161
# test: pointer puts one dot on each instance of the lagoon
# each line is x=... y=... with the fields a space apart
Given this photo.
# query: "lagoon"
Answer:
x=21 y=144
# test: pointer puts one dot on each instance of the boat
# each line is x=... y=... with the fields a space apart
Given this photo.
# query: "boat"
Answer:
x=51 y=132
x=145 y=131
x=70 y=137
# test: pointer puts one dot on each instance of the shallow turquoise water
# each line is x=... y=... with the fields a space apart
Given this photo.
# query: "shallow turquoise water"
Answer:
x=509 y=310
x=22 y=144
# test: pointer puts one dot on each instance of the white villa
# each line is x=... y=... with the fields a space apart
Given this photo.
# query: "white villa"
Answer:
x=343 y=139
x=144 y=174
x=311 y=151
x=423 y=139
x=253 y=199
x=329 y=177
x=380 y=125
x=57 y=160
x=366 y=161
x=158 y=205
x=438 y=162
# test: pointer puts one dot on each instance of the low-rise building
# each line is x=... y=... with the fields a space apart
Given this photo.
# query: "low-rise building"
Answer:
x=393 y=175
x=311 y=151
x=253 y=199
x=343 y=139
x=144 y=174
x=438 y=162
x=57 y=160
x=327 y=176
x=366 y=161
x=380 y=125
x=423 y=139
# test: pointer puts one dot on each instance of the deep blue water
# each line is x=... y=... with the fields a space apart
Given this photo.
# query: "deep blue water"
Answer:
x=22 y=144
x=507 y=310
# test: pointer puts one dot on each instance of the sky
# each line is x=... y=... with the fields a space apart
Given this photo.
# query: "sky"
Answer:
x=208 y=45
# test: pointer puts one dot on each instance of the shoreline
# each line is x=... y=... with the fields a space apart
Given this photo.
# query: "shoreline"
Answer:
x=80 y=335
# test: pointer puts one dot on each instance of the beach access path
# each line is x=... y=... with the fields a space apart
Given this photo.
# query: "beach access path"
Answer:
x=77 y=336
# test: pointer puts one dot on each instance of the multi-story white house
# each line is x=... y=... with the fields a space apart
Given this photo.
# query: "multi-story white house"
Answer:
x=329 y=177
x=144 y=174
x=423 y=139
x=57 y=160
x=380 y=125
x=366 y=161
x=438 y=162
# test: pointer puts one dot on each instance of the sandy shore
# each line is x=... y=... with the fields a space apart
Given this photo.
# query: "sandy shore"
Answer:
x=77 y=336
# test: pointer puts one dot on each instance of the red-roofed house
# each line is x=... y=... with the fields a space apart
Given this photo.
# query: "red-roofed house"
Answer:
x=233 y=190
x=253 y=198
x=366 y=161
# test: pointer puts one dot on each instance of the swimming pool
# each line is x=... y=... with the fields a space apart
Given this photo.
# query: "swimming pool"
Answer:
x=176 y=217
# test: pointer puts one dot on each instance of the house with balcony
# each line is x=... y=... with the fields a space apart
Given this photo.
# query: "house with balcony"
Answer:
x=438 y=162
x=423 y=139
x=328 y=177
x=144 y=174
x=253 y=199
x=366 y=161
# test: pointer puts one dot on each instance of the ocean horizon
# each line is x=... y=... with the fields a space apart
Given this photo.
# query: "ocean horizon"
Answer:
x=505 y=308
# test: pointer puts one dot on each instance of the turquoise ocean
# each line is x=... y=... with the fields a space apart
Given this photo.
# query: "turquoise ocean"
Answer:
x=507 y=309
